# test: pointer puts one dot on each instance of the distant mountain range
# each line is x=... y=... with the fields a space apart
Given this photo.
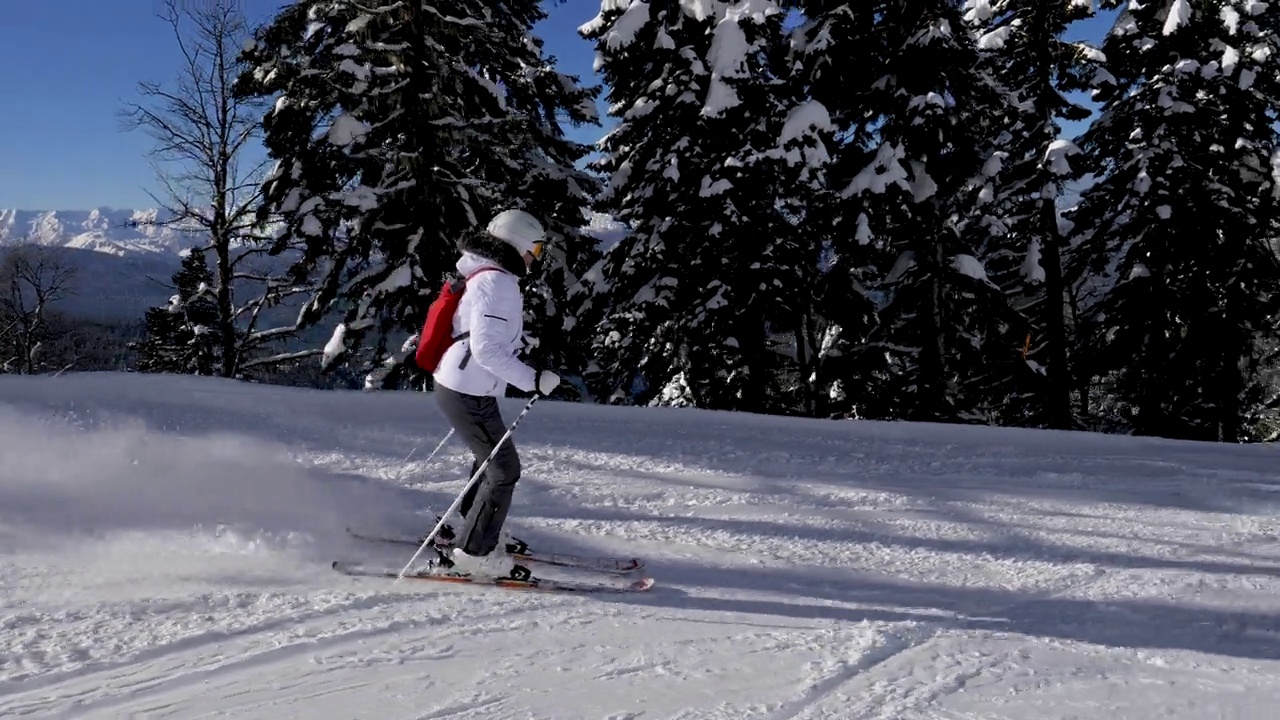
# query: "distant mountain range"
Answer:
x=127 y=232
x=105 y=230
x=124 y=258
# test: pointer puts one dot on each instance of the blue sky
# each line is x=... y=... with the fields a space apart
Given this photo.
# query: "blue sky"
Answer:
x=68 y=66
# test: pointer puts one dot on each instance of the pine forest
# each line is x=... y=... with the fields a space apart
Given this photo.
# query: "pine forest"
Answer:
x=926 y=210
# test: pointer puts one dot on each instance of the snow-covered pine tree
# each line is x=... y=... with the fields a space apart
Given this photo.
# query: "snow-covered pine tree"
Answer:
x=810 y=220
x=768 y=146
x=1018 y=239
x=798 y=168
x=358 y=157
x=651 y=56
x=688 y=299
x=544 y=172
x=1174 y=236
x=182 y=337
x=394 y=137
x=836 y=53
x=942 y=322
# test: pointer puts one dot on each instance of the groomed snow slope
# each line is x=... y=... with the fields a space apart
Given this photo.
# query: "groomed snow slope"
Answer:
x=164 y=548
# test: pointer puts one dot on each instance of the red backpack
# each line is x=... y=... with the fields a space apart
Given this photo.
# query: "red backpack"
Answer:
x=437 y=332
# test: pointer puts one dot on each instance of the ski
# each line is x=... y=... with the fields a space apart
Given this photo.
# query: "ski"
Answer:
x=538 y=584
x=522 y=552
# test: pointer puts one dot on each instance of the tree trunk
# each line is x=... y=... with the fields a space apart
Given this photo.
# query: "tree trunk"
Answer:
x=932 y=385
x=805 y=355
x=1058 y=374
x=226 y=312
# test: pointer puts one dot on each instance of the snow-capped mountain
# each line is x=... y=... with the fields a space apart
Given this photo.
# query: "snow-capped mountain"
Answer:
x=124 y=257
x=108 y=230
x=122 y=232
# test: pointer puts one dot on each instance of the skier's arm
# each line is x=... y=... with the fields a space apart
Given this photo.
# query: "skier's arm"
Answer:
x=492 y=323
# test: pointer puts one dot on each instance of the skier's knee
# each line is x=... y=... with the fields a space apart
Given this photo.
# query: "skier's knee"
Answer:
x=507 y=466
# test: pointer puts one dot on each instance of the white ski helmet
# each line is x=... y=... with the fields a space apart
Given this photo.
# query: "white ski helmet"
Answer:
x=518 y=229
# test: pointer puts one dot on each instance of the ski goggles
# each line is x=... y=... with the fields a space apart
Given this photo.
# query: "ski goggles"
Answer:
x=536 y=252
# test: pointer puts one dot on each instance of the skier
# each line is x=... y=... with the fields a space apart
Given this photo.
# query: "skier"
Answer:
x=474 y=372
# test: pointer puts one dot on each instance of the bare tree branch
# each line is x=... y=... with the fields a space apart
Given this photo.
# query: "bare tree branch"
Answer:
x=32 y=279
x=204 y=136
x=282 y=357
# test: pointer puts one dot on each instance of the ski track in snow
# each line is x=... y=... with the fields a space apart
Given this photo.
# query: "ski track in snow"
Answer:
x=164 y=546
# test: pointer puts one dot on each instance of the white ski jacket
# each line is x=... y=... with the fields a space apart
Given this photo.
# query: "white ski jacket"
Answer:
x=492 y=312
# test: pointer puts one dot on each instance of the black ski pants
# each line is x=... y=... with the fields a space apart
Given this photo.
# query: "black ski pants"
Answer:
x=478 y=420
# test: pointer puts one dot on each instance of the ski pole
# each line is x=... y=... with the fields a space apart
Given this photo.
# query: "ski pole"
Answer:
x=474 y=478
x=433 y=452
x=428 y=461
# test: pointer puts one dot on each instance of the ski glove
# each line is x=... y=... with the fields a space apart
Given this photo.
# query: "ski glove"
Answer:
x=546 y=382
